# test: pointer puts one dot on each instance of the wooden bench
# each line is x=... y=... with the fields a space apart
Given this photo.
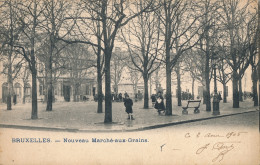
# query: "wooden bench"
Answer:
x=192 y=104
x=39 y=100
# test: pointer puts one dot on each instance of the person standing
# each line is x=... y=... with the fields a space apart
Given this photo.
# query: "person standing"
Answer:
x=14 y=99
x=128 y=107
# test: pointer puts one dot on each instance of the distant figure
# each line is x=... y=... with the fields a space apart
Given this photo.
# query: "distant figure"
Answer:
x=159 y=104
x=136 y=97
x=14 y=99
x=120 y=97
x=128 y=107
x=125 y=94
x=219 y=96
x=153 y=97
x=112 y=96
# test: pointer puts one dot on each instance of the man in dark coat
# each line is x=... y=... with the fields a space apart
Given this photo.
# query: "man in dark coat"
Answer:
x=128 y=107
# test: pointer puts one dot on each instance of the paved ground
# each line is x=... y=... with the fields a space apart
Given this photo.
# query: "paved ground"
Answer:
x=82 y=116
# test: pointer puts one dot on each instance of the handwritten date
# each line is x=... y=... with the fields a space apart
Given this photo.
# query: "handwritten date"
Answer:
x=212 y=135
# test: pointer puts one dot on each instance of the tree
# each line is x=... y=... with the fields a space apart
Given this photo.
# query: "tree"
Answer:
x=111 y=15
x=207 y=42
x=25 y=81
x=253 y=34
x=118 y=64
x=81 y=29
x=178 y=74
x=100 y=63
x=179 y=27
x=194 y=61
x=10 y=29
x=224 y=77
x=233 y=18
x=54 y=17
x=29 y=16
x=134 y=78
x=142 y=41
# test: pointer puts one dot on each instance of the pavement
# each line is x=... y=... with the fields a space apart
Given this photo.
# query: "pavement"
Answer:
x=82 y=116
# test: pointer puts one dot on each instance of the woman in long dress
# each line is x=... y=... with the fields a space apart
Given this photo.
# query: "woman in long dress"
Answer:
x=159 y=104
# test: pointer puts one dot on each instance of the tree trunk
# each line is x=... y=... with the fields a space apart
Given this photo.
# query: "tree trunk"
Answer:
x=224 y=93
x=146 y=98
x=10 y=82
x=9 y=96
x=49 y=96
x=9 y=76
x=74 y=92
x=150 y=94
x=178 y=85
x=240 y=90
x=255 y=78
x=50 y=85
x=108 y=101
x=168 y=82
x=24 y=90
x=34 y=93
x=207 y=92
x=100 y=95
x=45 y=85
x=193 y=96
x=204 y=95
x=34 y=114
x=235 y=90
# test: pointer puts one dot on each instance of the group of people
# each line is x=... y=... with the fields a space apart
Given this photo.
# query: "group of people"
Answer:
x=117 y=97
x=157 y=100
x=186 y=96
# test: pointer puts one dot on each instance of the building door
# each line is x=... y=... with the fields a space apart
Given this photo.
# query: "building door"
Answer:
x=66 y=92
x=94 y=91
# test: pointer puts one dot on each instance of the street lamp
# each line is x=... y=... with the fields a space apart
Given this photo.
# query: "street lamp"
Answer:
x=215 y=96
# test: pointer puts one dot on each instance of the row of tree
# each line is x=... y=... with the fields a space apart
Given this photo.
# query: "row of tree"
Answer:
x=168 y=33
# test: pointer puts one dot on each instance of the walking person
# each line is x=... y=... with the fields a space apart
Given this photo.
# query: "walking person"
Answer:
x=128 y=107
x=159 y=104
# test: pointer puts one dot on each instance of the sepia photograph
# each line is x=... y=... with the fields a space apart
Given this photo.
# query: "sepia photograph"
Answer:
x=129 y=82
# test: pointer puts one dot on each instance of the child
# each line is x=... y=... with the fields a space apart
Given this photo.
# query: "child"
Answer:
x=128 y=105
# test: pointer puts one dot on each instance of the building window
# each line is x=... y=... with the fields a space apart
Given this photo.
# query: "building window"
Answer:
x=87 y=90
x=17 y=89
x=27 y=90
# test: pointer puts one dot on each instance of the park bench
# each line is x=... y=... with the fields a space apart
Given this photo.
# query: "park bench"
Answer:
x=39 y=99
x=192 y=104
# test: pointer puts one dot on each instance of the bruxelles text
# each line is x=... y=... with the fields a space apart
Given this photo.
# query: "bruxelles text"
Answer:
x=80 y=140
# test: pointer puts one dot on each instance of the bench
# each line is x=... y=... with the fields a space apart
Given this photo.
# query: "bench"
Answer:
x=40 y=100
x=192 y=104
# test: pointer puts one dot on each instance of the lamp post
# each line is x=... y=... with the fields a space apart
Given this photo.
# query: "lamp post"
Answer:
x=215 y=96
